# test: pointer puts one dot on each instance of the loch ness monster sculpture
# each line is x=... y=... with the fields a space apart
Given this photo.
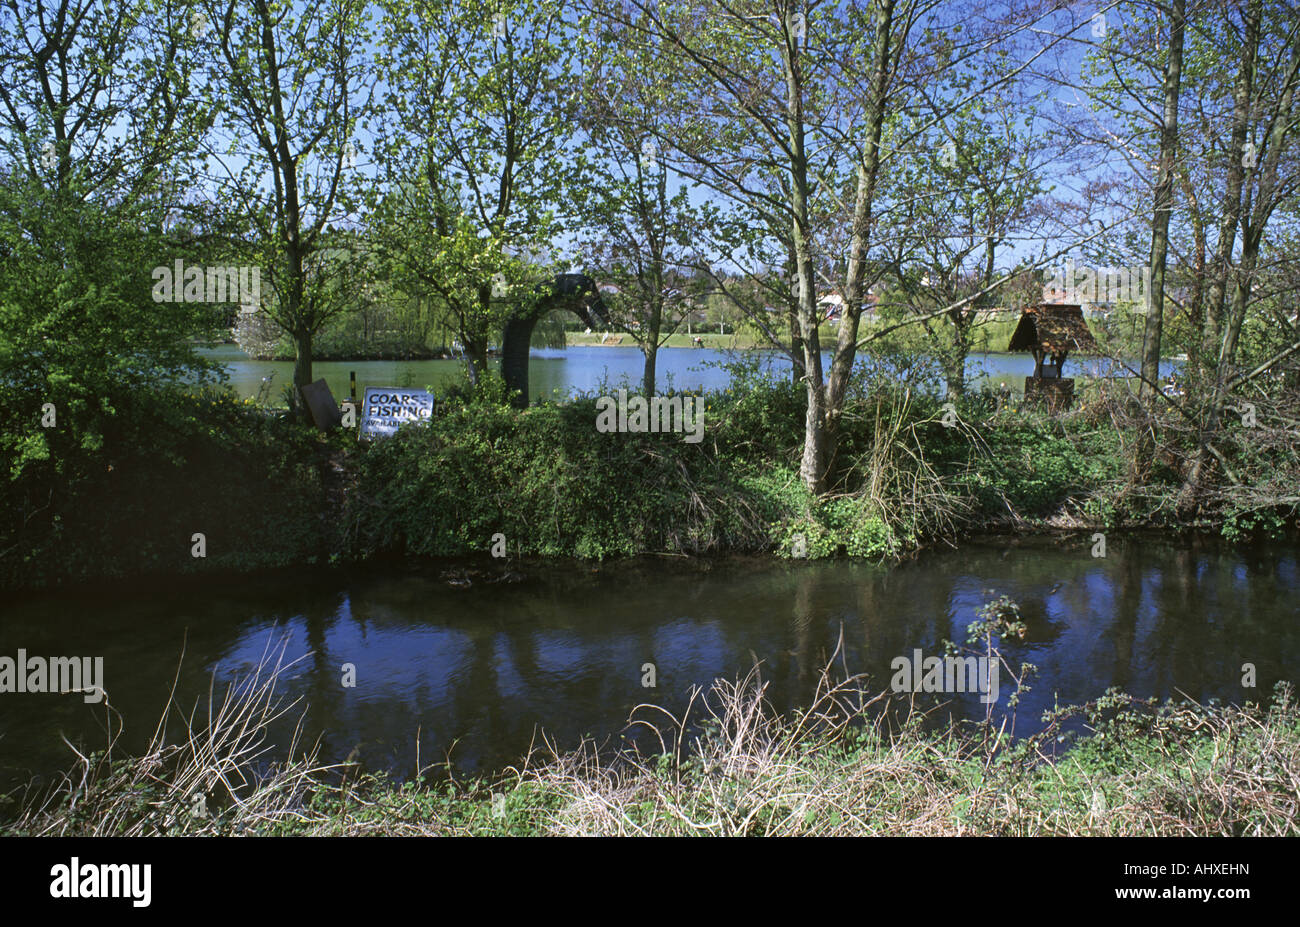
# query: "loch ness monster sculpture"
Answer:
x=577 y=293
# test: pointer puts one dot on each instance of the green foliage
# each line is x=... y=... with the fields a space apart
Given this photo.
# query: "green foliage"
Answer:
x=167 y=462
x=170 y=463
x=79 y=330
x=759 y=418
x=844 y=525
x=554 y=485
x=1256 y=524
x=474 y=155
x=1035 y=465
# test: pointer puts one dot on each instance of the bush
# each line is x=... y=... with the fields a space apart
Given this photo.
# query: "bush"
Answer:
x=554 y=486
x=171 y=463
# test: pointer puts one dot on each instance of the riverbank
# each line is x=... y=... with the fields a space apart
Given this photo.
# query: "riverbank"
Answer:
x=198 y=482
x=992 y=336
x=836 y=768
x=1171 y=770
x=403 y=354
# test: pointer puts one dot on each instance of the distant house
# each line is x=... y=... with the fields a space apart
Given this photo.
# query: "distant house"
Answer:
x=831 y=306
x=1097 y=291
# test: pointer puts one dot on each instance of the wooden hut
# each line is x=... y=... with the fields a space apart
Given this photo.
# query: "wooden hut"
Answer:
x=1050 y=331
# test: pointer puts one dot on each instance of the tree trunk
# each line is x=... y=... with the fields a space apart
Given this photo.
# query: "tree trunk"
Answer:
x=655 y=320
x=649 y=348
x=1242 y=91
x=955 y=374
x=302 y=363
x=476 y=353
x=476 y=343
x=1196 y=305
x=1229 y=326
x=855 y=272
x=792 y=312
x=812 y=465
x=1164 y=199
x=515 y=343
x=796 y=339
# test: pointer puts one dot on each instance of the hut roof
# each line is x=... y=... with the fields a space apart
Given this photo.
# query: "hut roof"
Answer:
x=1053 y=329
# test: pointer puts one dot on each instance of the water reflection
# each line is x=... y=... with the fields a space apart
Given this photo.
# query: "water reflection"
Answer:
x=474 y=674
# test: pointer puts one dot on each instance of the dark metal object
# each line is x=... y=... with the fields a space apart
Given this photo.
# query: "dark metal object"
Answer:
x=324 y=410
x=577 y=293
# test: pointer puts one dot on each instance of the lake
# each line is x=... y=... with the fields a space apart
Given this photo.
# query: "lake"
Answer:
x=561 y=372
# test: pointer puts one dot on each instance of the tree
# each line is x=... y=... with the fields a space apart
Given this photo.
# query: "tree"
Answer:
x=1200 y=100
x=292 y=80
x=481 y=96
x=788 y=105
x=638 y=230
x=1164 y=196
x=744 y=69
x=97 y=128
x=1261 y=178
x=963 y=193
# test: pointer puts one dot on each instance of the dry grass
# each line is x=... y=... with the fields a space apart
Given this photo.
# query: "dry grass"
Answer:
x=1166 y=770
x=753 y=773
x=731 y=765
x=199 y=775
x=899 y=483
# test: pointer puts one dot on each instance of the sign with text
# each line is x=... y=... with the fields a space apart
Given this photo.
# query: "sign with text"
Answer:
x=384 y=409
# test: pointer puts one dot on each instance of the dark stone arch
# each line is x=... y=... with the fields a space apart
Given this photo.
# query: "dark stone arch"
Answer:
x=577 y=293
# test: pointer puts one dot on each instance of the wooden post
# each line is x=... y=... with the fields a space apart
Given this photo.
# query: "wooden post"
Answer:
x=352 y=384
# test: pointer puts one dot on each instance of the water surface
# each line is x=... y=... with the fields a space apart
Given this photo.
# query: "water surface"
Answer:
x=560 y=373
x=475 y=672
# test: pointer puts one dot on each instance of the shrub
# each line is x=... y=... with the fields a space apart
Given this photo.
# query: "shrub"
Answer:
x=172 y=462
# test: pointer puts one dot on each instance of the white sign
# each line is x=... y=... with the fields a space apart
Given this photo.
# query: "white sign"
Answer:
x=386 y=408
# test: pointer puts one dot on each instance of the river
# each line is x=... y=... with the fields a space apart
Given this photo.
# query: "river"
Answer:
x=477 y=671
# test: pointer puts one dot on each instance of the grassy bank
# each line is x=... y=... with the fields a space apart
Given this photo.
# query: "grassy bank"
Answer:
x=988 y=336
x=170 y=465
x=839 y=767
x=908 y=471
